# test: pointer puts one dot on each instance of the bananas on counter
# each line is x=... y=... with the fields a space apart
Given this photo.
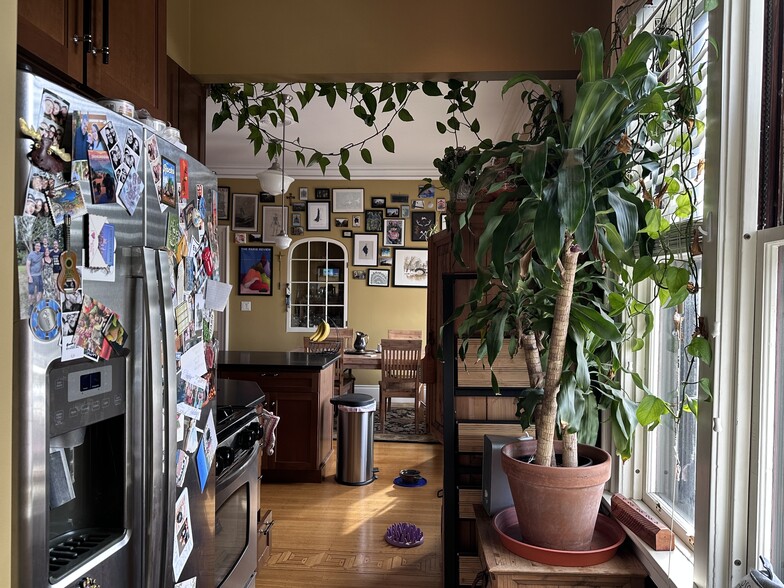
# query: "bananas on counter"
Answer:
x=322 y=332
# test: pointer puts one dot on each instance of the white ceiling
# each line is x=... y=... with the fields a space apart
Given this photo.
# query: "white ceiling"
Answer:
x=417 y=143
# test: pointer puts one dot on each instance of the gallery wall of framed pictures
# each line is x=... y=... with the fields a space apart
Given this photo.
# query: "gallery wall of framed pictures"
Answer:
x=386 y=233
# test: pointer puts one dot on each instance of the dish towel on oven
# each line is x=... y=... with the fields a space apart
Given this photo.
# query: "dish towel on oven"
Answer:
x=270 y=422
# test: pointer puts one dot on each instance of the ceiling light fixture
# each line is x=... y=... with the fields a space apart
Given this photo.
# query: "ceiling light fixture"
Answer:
x=275 y=181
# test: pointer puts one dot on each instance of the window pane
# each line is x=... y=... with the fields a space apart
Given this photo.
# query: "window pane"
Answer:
x=672 y=472
x=318 y=284
x=775 y=379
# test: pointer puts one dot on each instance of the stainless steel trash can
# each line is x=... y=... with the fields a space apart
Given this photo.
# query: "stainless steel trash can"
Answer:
x=355 y=439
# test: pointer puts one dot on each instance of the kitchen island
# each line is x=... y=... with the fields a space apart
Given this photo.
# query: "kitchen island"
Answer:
x=297 y=387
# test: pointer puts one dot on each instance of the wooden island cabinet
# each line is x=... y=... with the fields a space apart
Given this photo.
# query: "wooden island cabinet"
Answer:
x=297 y=387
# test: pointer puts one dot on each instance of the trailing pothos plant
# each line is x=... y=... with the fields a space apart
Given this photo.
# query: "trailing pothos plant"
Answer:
x=261 y=109
x=577 y=213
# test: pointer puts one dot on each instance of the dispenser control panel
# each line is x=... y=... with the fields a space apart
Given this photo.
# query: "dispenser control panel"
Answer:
x=83 y=393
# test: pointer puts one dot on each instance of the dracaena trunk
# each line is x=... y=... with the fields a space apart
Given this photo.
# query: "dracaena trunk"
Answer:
x=563 y=304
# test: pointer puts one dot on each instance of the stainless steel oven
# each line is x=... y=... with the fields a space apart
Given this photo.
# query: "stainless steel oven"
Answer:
x=236 y=500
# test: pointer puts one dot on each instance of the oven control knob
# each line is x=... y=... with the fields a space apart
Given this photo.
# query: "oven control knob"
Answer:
x=257 y=430
x=224 y=456
x=247 y=438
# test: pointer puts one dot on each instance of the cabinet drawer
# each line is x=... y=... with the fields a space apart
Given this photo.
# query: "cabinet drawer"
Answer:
x=469 y=566
x=264 y=538
x=470 y=436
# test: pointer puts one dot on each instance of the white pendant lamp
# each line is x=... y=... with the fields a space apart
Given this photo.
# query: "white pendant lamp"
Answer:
x=275 y=181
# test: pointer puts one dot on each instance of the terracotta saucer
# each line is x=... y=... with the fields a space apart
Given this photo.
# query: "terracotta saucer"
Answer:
x=607 y=538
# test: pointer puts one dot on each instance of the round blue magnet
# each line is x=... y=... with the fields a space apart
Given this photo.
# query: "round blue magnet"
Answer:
x=45 y=319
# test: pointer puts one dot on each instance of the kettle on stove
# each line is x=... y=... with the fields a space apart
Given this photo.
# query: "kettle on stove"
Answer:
x=361 y=341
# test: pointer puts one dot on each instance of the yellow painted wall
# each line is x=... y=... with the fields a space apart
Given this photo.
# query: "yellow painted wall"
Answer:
x=357 y=40
x=178 y=32
x=372 y=310
x=7 y=148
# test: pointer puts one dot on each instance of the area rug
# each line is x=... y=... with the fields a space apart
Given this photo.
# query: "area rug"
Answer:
x=400 y=427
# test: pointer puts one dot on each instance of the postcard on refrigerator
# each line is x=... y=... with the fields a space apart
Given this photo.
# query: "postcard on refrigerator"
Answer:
x=184 y=179
x=168 y=182
x=100 y=242
x=189 y=583
x=183 y=533
x=115 y=334
x=210 y=439
x=67 y=200
x=202 y=467
x=181 y=468
x=131 y=192
x=89 y=328
x=154 y=158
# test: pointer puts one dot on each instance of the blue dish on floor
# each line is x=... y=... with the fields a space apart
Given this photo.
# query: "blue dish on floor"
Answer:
x=399 y=482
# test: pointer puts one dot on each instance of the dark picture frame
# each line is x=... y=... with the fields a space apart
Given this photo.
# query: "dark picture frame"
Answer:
x=322 y=193
x=422 y=224
x=271 y=222
x=365 y=249
x=224 y=198
x=348 y=199
x=392 y=212
x=378 y=202
x=266 y=198
x=374 y=221
x=378 y=278
x=394 y=232
x=409 y=268
x=318 y=216
x=245 y=213
x=255 y=271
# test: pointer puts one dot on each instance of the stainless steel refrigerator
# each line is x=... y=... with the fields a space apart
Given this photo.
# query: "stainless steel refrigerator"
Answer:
x=114 y=386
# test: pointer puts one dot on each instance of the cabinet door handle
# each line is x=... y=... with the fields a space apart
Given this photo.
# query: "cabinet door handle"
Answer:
x=87 y=27
x=267 y=527
x=105 y=49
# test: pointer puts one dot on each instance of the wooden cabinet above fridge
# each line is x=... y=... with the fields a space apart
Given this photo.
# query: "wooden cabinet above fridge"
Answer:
x=114 y=50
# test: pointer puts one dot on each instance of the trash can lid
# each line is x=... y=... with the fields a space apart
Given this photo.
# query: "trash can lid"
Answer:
x=352 y=400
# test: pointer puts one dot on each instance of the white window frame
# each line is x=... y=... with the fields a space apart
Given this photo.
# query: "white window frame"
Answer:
x=306 y=243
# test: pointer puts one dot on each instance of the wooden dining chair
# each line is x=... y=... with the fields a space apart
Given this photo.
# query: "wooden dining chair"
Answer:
x=344 y=383
x=400 y=375
x=404 y=334
x=347 y=334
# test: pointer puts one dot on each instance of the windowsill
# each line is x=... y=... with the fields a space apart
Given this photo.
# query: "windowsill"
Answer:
x=667 y=569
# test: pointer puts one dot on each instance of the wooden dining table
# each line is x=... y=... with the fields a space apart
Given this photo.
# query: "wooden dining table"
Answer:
x=370 y=360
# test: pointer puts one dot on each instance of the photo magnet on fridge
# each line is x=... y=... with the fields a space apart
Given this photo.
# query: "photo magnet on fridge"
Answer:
x=202 y=467
x=181 y=467
x=183 y=533
x=168 y=182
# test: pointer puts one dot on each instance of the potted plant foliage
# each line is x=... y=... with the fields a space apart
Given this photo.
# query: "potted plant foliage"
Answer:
x=581 y=220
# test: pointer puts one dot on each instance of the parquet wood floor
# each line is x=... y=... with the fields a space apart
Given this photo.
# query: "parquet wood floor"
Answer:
x=332 y=535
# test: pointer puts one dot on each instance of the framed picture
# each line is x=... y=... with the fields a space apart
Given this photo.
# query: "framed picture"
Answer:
x=298 y=206
x=378 y=277
x=356 y=220
x=419 y=205
x=427 y=192
x=273 y=220
x=348 y=200
x=303 y=193
x=385 y=258
x=410 y=268
x=296 y=219
x=405 y=211
x=341 y=223
x=444 y=222
x=240 y=238
x=378 y=202
x=365 y=249
x=266 y=198
x=441 y=204
x=400 y=198
x=255 y=271
x=322 y=193
x=393 y=212
x=318 y=216
x=348 y=234
x=374 y=221
x=245 y=213
x=359 y=274
x=394 y=232
x=422 y=224
x=224 y=193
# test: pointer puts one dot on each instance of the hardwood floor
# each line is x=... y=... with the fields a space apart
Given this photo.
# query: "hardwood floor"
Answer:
x=332 y=535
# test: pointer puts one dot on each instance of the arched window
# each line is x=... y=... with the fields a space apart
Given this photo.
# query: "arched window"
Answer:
x=319 y=286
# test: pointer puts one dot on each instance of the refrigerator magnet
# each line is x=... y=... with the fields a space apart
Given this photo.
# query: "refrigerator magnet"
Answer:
x=45 y=319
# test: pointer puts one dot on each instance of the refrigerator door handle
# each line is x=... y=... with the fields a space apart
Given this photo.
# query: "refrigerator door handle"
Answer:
x=161 y=431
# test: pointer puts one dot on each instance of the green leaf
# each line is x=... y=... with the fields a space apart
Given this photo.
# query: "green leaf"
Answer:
x=430 y=88
x=586 y=230
x=684 y=206
x=692 y=405
x=323 y=163
x=677 y=297
x=344 y=155
x=401 y=91
x=650 y=411
x=706 y=388
x=386 y=91
x=625 y=218
x=655 y=223
x=533 y=164
x=700 y=348
x=366 y=156
x=344 y=171
x=566 y=395
x=388 y=143
x=475 y=126
x=331 y=97
x=389 y=106
x=643 y=268
x=711 y=5
x=404 y=115
x=548 y=233
x=453 y=123
x=637 y=343
x=596 y=103
x=572 y=189
x=593 y=321
x=441 y=127
x=590 y=43
x=617 y=303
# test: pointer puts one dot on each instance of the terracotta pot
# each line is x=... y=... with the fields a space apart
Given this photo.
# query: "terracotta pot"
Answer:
x=556 y=507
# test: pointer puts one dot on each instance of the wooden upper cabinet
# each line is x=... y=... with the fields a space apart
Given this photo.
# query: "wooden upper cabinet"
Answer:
x=46 y=28
x=135 y=33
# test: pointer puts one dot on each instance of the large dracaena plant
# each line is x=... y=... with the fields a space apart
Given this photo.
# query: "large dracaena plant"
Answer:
x=579 y=212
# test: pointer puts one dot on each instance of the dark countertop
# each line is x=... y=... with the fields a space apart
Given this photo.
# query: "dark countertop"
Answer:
x=239 y=393
x=279 y=360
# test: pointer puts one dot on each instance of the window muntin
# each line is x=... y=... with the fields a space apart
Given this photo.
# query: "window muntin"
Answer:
x=318 y=282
